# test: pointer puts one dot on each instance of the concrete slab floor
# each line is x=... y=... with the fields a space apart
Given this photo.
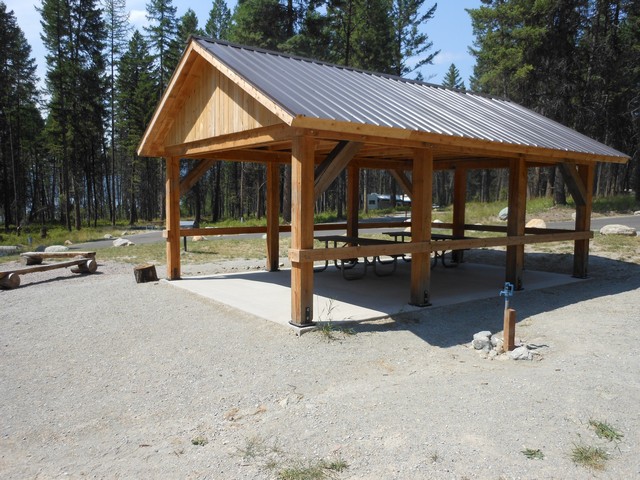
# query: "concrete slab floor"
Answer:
x=268 y=295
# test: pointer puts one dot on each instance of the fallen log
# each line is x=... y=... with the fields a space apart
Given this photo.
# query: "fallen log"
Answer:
x=35 y=258
x=12 y=280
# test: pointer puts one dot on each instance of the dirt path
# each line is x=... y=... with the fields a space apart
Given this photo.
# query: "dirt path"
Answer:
x=104 y=378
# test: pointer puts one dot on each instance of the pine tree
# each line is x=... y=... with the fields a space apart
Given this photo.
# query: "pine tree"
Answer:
x=452 y=78
x=409 y=38
x=161 y=34
x=117 y=23
x=135 y=101
x=259 y=23
x=219 y=21
x=19 y=118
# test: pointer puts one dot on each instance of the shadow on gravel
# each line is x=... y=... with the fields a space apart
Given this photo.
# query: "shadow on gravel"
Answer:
x=452 y=325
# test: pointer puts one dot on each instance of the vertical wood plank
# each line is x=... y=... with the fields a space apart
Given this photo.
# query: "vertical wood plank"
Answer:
x=421 y=207
x=516 y=221
x=459 y=207
x=273 y=216
x=302 y=209
x=353 y=200
x=173 y=218
x=583 y=223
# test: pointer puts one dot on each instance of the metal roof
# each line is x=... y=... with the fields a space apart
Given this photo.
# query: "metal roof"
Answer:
x=309 y=88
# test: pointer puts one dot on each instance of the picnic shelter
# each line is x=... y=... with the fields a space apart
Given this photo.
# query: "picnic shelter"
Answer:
x=228 y=102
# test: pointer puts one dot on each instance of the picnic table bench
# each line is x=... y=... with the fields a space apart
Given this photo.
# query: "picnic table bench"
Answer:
x=346 y=265
x=80 y=262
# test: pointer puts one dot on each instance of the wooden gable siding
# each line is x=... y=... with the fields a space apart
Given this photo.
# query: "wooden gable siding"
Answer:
x=214 y=106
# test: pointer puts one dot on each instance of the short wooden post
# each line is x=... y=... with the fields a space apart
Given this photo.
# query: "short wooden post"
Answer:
x=509 y=329
x=90 y=266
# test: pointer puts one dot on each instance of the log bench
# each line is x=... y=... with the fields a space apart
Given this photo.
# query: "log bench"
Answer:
x=80 y=262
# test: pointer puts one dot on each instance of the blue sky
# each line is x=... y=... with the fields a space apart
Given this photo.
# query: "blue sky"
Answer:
x=450 y=31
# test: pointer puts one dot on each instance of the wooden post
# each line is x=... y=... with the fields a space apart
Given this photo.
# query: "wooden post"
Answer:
x=421 y=206
x=173 y=218
x=509 y=330
x=459 y=207
x=273 y=216
x=145 y=273
x=583 y=223
x=302 y=208
x=9 y=281
x=517 y=221
x=353 y=200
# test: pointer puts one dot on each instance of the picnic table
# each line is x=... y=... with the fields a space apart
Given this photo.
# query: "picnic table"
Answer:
x=437 y=254
x=345 y=266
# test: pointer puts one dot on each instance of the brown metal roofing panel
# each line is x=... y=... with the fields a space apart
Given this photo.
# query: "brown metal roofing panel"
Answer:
x=314 y=89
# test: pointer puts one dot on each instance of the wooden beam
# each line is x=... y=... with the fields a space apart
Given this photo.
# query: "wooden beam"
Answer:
x=575 y=183
x=333 y=165
x=516 y=221
x=583 y=222
x=459 y=206
x=273 y=217
x=403 y=181
x=353 y=200
x=195 y=174
x=173 y=218
x=421 y=207
x=302 y=205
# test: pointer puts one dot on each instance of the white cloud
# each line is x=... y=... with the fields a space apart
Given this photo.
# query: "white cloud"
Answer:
x=138 y=18
x=447 y=57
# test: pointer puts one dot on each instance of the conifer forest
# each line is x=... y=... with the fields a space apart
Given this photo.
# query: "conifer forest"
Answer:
x=68 y=141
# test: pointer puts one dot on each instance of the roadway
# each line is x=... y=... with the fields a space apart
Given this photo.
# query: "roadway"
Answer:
x=155 y=236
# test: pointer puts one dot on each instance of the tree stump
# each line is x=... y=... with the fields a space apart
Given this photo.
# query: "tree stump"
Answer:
x=145 y=273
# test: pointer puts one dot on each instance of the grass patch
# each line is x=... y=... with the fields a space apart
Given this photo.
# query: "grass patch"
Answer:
x=330 y=332
x=199 y=441
x=587 y=456
x=606 y=431
x=316 y=470
x=533 y=453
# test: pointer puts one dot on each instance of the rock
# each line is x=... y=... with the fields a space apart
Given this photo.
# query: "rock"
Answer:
x=56 y=248
x=198 y=238
x=536 y=223
x=124 y=233
x=498 y=343
x=482 y=340
x=521 y=353
x=504 y=213
x=573 y=216
x=637 y=212
x=437 y=221
x=615 y=229
x=68 y=242
x=107 y=236
x=122 y=242
x=264 y=236
x=9 y=249
x=408 y=229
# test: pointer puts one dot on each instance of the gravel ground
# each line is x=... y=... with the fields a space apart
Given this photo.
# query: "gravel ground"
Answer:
x=104 y=378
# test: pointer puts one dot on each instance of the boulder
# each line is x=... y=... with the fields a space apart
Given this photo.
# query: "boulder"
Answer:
x=482 y=340
x=520 y=353
x=637 y=212
x=107 y=236
x=68 y=242
x=504 y=213
x=198 y=238
x=536 y=223
x=122 y=242
x=615 y=229
x=56 y=248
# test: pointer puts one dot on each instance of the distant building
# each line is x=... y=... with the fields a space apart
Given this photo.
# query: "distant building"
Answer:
x=376 y=201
